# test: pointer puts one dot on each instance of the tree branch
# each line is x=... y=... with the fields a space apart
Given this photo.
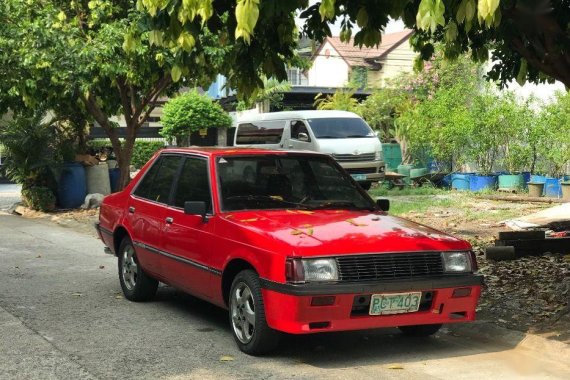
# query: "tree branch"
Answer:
x=127 y=110
x=151 y=97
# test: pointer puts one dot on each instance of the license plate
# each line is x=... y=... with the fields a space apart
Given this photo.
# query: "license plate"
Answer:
x=359 y=177
x=395 y=303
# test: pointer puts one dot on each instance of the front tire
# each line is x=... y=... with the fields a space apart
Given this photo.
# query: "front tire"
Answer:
x=137 y=285
x=247 y=315
x=420 y=330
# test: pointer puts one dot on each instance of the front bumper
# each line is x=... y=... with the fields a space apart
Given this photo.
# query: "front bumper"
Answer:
x=373 y=171
x=288 y=307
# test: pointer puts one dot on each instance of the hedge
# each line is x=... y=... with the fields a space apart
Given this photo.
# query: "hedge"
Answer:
x=142 y=151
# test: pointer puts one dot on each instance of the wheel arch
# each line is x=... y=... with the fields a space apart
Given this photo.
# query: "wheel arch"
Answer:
x=118 y=236
x=231 y=270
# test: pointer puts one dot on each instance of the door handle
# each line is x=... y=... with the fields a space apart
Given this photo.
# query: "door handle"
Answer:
x=131 y=210
x=290 y=146
x=169 y=220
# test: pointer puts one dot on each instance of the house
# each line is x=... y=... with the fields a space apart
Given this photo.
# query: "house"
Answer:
x=336 y=63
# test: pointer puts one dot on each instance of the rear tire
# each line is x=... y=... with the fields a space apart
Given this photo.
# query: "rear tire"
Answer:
x=247 y=315
x=420 y=330
x=137 y=286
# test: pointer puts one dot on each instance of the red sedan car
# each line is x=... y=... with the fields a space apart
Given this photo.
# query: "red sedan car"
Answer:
x=288 y=242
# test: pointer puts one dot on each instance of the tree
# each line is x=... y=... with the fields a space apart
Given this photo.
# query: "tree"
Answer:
x=528 y=39
x=342 y=99
x=382 y=108
x=190 y=112
x=95 y=56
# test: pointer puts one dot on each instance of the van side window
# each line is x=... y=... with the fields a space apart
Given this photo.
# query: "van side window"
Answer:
x=297 y=127
x=264 y=132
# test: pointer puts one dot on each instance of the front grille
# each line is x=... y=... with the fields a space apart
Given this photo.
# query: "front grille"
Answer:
x=354 y=157
x=361 y=170
x=389 y=266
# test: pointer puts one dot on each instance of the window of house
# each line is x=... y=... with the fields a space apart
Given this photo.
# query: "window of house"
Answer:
x=296 y=77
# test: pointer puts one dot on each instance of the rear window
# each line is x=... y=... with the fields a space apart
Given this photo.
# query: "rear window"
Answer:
x=267 y=132
x=340 y=128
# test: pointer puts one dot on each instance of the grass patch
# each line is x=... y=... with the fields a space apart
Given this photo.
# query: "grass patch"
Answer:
x=419 y=205
x=381 y=191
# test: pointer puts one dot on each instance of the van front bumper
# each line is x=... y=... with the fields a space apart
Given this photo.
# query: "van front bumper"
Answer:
x=370 y=171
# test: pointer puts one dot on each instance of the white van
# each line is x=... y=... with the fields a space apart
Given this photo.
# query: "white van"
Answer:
x=344 y=135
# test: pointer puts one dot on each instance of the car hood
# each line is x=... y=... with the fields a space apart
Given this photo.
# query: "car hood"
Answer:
x=325 y=232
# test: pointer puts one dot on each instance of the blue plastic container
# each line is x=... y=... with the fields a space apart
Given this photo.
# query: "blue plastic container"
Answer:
x=526 y=177
x=552 y=188
x=72 y=185
x=537 y=178
x=482 y=182
x=460 y=181
x=114 y=176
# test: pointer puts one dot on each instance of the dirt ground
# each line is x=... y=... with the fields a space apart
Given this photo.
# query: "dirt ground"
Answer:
x=530 y=294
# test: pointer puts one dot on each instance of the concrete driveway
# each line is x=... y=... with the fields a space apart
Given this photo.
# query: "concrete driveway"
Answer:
x=62 y=316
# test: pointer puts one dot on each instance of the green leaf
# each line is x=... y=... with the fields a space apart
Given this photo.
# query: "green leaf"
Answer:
x=326 y=9
x=129 y=43
x=176 y=73
x=451 y=32
x=521 y=76
x=362 y=17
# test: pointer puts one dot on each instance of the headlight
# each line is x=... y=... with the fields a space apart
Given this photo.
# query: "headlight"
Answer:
x=378 y=155
x=311 y=270
x=457 y=261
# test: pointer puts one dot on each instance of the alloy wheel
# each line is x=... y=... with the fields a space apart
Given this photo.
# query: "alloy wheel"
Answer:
x=242 y=310
x=130 y=267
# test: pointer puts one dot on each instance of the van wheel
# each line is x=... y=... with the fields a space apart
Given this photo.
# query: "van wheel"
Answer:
x=420 y=330
x=365 y=185
x=136 y=285
x=247 y=315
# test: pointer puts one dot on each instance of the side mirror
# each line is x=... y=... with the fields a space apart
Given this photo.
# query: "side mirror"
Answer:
x=195 y=208
x=302 y=136
x=383 y=204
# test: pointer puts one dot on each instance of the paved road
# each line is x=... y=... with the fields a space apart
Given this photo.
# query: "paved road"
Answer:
x=62 y=317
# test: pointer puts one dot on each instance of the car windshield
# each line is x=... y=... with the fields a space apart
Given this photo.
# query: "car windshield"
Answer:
x=287 y=182
x=340 y=128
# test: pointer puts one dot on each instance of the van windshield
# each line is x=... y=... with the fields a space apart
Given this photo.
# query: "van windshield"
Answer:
x=340 y=128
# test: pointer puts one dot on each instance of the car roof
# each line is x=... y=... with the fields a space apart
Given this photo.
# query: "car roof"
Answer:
x=287 y=115
x=235 y=151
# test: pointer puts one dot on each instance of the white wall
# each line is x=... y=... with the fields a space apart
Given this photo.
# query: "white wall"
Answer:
x=398 y=61
x=331 y=71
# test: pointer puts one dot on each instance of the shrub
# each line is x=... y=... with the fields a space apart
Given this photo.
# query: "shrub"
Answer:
x=38 y=198
x=190 y=112
x=143 y=151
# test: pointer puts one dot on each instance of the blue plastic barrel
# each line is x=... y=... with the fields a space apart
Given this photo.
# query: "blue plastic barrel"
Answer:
x=537 y=178
x=114 y=176
x=482 y=182
x=526 y=178
x=72 y=185
x=460 y=181
x=552 y=188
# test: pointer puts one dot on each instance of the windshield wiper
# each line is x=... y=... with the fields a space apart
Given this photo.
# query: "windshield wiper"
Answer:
x=339 y=204
x=263 y=198
x=356 y=136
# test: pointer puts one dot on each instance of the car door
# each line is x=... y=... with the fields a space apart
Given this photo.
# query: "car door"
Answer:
x=297 y=128
x=146 y=211
x=188 y=239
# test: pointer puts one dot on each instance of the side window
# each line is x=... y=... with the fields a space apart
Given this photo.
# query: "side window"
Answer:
x=144 y=188
x=193 y=184
x=159 y=185
x=297 y=127
x=263 y=132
